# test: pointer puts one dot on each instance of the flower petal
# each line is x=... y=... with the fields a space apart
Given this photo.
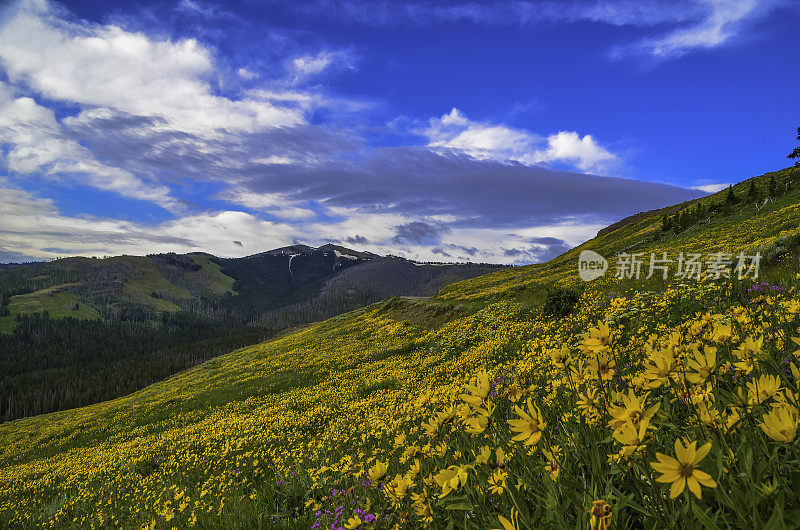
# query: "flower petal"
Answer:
x=677 y=487
x=701 y=453
x=694 y=487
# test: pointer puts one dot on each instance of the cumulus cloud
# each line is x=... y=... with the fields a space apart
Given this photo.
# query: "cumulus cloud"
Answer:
x=566 y=146
x=107 y=66
x=499 y=142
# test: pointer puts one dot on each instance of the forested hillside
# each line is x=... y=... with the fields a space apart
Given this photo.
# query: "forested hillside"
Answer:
x=77 y=331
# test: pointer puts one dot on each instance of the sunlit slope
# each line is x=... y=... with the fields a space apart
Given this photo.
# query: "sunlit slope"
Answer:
x=747 y=226
x=292 y=399
x=264 y=436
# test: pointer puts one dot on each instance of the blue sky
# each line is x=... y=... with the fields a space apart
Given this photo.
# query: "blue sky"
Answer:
x=483 y=131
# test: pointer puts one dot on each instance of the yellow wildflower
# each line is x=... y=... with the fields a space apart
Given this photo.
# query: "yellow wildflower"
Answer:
x=452 y=478
x=530 y=426
x=763 y=388
x=497 y=481
x=353 y=522
x=479 y=391
x=377 y=471
x=780 y=423
x=683 y=471
x=600 y=515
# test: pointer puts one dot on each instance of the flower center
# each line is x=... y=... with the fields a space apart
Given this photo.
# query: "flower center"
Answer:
x=686 y=470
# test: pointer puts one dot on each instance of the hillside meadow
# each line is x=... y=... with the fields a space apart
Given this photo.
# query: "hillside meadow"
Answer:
x=618 y=404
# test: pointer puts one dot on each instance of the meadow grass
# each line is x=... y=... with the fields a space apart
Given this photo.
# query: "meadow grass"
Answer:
x=635 y=404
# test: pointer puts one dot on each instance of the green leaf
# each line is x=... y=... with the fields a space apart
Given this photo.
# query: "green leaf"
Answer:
x=702 y=517
x=776 y=521
x=460 y=505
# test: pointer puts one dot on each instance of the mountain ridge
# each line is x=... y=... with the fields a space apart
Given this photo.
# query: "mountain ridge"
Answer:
x=138 y=319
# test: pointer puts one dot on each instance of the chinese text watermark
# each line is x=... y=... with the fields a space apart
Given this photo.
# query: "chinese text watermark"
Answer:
x=714 y=265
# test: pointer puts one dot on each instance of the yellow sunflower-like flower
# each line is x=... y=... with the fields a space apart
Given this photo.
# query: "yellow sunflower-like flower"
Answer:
x=780 y=423
x=497 y=481
x=683 y=471
x=484 y=455
x=478 y=391
x=452 y=478
x=529 y=426
x=763 y=388
x=703 y=365
x=601 y=366
x=632 y=437
x=431 y=427
x=721 y=332
x=424 y=512
x=377 y=471
x=553 y=465
x=353 y=522
x=661 y=366
x=750 y=348
x=589 y=404
x=599 y=339
x=600 y=515
x=560 y=357
x=632 y=409
x=478 y=423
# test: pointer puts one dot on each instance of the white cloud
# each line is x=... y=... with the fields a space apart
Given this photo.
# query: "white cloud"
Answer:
x=36 y=144
x=32 y=226
x=566 y=146
x=712 y=188
x=246 y=74
x=307 y=66
x=274 y=160
x=501 y=143
x=721 y=21
x=272 y=203
x=106 y=66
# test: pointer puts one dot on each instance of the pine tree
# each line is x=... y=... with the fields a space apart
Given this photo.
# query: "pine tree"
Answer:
x=796 y=152
x=773 y=186
x=752 y=192
x=730 y=197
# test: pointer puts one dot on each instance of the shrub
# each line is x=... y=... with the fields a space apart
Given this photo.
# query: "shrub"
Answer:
x=559 y=302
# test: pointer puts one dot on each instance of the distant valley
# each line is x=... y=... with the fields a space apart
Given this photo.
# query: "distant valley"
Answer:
x=78 y=330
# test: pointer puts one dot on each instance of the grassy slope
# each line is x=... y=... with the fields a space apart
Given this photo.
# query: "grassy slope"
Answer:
x=746 y=230
x=141 y=279
x=55 y=300
x=146 y=280
x=217 y=281
x=299 y=395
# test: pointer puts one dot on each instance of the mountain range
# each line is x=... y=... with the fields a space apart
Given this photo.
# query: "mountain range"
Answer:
x=79 y=330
